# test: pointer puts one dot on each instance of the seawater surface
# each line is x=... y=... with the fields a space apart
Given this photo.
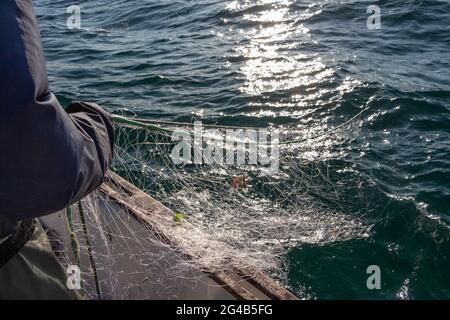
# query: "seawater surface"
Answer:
x=297 y=64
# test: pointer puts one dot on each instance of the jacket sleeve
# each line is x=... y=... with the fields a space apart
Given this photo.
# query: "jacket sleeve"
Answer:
x=49 y=157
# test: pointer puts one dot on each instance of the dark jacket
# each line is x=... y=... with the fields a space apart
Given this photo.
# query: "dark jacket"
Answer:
x=49 y=157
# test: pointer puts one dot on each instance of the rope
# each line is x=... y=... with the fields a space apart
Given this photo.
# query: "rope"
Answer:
x=75 y=245
x=156 y=126
x=89 y=248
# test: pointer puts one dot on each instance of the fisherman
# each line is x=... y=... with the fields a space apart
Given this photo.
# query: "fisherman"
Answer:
x=49 y=158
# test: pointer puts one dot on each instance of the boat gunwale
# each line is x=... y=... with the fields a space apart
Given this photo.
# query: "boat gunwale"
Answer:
x=229 y=280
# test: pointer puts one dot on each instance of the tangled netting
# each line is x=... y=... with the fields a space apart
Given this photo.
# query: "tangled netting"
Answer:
x=223 y=216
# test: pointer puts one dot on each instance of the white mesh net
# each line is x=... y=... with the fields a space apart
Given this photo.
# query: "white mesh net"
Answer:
x=223 y=218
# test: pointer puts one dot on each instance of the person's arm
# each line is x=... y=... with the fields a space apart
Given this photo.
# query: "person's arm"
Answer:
x=49 y=158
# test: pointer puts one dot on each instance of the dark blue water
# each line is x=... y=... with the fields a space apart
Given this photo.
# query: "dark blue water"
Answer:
x=304 y=64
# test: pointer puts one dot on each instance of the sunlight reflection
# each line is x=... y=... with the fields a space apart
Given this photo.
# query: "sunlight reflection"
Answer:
x=286 y=77
x=270 y=64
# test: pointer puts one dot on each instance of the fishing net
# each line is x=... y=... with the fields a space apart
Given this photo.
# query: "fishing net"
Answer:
x=223 y=216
